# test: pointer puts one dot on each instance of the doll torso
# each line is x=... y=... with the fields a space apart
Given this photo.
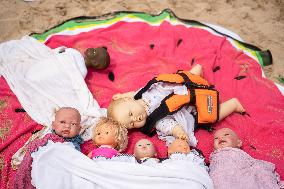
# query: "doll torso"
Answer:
x=105 y=152
x=158 y=92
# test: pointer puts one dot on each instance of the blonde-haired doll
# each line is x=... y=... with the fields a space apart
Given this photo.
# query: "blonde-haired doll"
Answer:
x=110 y=137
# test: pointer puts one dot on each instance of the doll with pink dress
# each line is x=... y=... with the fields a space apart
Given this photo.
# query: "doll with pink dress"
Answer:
x=231 y=167
x=110 y=137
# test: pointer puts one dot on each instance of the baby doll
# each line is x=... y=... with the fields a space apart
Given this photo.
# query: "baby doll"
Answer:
x=145 y=150
x=231 y=167
x=66 y=128
x=67 y=125
x=97 y=58
x=172 y=104
x=110 y=137
x=179 y=149
x=179 y=146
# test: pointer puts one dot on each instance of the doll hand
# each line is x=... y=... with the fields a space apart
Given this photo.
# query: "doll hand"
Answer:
x=179 y=133
x=123 y=95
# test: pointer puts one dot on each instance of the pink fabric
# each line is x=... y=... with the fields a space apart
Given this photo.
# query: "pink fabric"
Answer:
x=235 y=169
x=105 y=152
x=23 y=175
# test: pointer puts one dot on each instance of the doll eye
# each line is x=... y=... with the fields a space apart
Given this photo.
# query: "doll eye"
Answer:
x=130 y=113
x=148 y=144
x=73 y=124
x=95 y=51
x=215 y=138
x=139 y=145
x=226 y=134
x=98 y=133
x=107 y=132
x=62 y=122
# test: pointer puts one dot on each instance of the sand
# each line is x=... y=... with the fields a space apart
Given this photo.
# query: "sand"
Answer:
x=258 y=22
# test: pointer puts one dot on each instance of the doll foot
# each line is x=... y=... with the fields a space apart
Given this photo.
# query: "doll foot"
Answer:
x=239 y=107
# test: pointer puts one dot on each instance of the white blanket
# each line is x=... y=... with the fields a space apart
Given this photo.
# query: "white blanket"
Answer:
x=59 y=166
x=44 y=80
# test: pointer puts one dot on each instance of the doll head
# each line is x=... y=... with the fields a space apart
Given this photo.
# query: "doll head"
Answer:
x=226 y=138
x=97 y=58
x=179 y=145
x=144 y=148
x=128 y=112
x=67 y=122
x=110 y=133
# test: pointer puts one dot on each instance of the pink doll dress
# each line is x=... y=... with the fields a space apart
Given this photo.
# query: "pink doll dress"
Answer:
x=235 y=169
x=105 y=152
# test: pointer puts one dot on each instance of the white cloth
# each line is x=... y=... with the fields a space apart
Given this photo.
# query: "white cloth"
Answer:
x=153 y=97
x=45 y=80
x=59 y=166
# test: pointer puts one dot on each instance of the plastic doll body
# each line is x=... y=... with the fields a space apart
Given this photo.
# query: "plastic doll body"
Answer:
x=226 y=138
x=144 y=149
x=67 y=122
x=231 y=167
x=133 y=113
x=110 y=138
x=97 y=58
x=179 y=146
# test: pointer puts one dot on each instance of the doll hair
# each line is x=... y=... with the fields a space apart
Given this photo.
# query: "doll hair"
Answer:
x=68 y=108
x=120 y=132
x=112 y=105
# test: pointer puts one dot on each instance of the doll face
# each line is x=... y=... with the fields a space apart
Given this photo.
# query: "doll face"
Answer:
x=144 y=148
x=97 y=58
x=130 y=113
x=105 y=135
x=180 y=146
x=226 y=138
x=67 y=123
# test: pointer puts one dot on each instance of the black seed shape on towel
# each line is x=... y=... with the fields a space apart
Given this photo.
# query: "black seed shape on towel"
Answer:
x=252 y=147
x=34 y=132
x=17 y=110
x=192 y=61
x=216 y=68
x=245 y=113
x=111 y=76
x=240 y=77
x=179 y=42
x=152 y=46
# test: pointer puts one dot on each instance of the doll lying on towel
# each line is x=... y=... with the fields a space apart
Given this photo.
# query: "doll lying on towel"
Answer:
x=66 y=128
x=172 y=104
x=231 y=167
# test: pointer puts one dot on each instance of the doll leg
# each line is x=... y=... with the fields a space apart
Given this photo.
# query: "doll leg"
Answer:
x=230 y=106
x=196 y=70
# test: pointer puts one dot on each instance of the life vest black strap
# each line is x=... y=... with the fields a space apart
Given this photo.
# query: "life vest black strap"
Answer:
x=144 y=89
x=159 y=113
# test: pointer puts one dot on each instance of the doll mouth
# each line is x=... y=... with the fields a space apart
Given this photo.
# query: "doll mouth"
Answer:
x=222 y=142
x=65 y=132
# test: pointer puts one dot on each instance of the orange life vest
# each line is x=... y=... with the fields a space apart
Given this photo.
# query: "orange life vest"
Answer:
x=200 y=94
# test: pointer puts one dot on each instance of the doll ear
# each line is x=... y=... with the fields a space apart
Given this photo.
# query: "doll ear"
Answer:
x=240 y=143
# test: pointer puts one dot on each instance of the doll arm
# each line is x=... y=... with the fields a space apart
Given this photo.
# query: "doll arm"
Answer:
x=169 y=126
x=123 y=95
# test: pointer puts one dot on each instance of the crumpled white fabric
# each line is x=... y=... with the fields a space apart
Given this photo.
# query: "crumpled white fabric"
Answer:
x=45 y=80
x=59 y=166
